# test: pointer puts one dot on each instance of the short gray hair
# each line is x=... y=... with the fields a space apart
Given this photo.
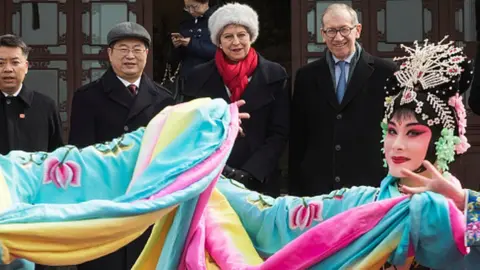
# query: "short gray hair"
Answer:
x=341 y=6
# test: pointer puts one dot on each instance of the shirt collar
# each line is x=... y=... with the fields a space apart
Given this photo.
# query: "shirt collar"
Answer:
x=347 y=60
x=127 y=83
x=14 y=94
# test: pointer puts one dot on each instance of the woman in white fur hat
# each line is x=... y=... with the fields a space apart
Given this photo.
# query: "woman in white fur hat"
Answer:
x=239 y=72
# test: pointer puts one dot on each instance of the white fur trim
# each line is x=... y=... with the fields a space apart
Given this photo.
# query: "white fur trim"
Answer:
x=233 y=13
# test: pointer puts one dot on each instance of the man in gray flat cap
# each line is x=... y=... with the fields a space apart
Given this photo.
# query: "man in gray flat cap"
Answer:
x=122 y=100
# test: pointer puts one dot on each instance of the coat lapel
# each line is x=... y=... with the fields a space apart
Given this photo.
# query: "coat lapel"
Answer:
x=145 y=97
x=26 y=95
x=216 y=85
x=257 y=93
x=324 y=81
x=360 y=76
x=115 y=89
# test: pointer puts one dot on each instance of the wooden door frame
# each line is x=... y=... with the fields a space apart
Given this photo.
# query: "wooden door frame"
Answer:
x=148 y=24
x=3 y=10
x=299 y=24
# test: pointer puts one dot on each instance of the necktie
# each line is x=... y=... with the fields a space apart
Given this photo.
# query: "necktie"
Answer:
x=341 y=82
x=133 y=89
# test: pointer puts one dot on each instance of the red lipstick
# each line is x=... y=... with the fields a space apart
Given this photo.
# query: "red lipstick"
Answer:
x=399 y=160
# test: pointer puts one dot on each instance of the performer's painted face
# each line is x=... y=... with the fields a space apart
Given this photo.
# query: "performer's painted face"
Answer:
x=406 y=143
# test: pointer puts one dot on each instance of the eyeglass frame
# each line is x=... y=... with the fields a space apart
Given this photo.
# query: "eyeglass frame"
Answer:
x=126 y=51
x=193 y=7
x=338 y=30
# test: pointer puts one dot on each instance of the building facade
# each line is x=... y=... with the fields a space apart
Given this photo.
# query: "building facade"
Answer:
x=68 y=39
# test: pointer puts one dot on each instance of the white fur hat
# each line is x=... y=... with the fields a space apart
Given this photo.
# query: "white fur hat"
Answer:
x=233 y=13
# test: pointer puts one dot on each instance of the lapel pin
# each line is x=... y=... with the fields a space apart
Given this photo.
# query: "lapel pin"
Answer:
x=22 y=115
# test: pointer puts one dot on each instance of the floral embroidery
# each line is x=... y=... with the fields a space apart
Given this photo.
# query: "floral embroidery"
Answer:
x=62 y=173
x=261 y=202
x=28 y=159
x=113 y=147
x=473 y=222
x=304 y=214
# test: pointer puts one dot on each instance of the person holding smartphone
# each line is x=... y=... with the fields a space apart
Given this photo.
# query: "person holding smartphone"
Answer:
x=192 y=45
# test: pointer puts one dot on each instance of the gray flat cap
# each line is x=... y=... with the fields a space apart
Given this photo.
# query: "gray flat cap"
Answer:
x=128 y=30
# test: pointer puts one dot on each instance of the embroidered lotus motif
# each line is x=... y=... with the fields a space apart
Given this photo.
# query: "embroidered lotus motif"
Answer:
x=62 y=174
x=303 y=215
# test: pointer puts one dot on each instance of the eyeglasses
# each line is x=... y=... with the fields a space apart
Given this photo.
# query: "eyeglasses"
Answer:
x=344 y=31
x=191 y=7
x=135 y=51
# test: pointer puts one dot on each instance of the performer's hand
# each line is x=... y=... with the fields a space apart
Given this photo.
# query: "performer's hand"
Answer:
x=239 y=104
x=450 y=188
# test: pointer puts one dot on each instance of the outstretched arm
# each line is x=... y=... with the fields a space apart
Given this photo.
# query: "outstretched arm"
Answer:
x=271 y=223
x=70 y=174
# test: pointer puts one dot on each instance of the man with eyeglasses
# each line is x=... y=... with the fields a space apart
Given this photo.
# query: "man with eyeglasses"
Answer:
x=122 y=100
x=337 y=108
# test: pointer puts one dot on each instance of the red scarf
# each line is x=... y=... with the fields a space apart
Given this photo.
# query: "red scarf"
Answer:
x=235 y=75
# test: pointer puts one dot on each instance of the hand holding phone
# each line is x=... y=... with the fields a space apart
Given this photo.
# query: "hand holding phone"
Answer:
x=177 y=35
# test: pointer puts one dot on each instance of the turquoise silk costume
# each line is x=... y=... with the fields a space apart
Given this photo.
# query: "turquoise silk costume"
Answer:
x=74 y=205
x=272 y=223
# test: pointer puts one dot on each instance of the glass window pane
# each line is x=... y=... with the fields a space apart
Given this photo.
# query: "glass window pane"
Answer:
x=41 y=25
x=401 y=15
x=311 y=22
x=99 y=17
x=104 y=17
x=314 y=47
x=465 y=20
x=92 y=70
x=50 y=78
x=37 y=23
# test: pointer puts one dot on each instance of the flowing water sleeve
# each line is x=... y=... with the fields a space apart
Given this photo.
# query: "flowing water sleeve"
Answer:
x=345 y=230
x=272 y=223
x=74 y=205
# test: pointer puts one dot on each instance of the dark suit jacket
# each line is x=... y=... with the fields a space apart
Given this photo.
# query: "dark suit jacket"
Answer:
x=101 y=111
x=267 y=101
x=337 y=145
x=29 y=122
x=104 y=109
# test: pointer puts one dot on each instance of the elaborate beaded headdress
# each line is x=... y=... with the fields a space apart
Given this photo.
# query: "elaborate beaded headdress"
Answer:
x=429 y=83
